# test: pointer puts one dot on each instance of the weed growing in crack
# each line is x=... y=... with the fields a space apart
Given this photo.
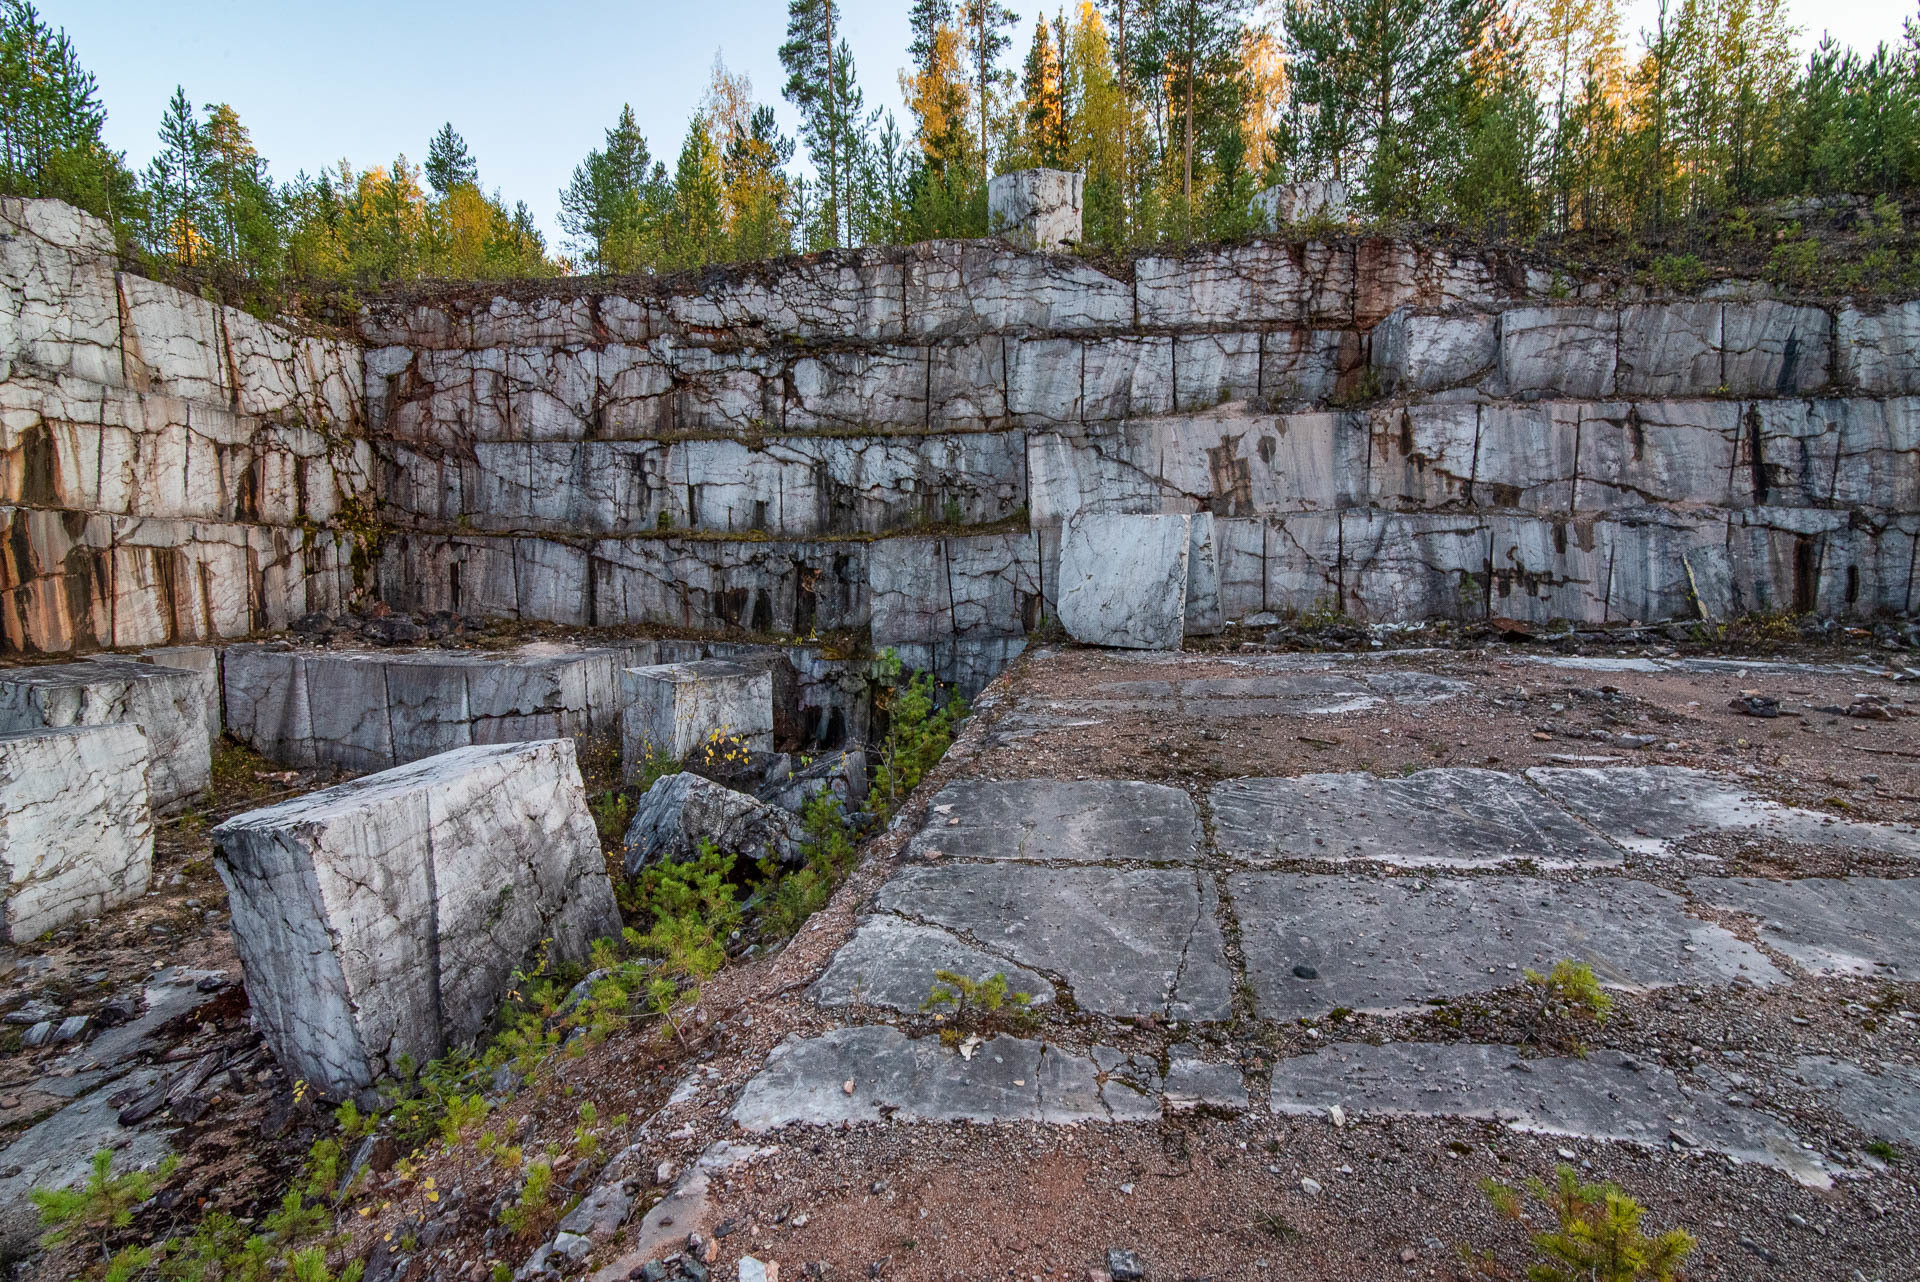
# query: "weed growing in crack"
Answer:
x=1570 y=988
x=971 y=997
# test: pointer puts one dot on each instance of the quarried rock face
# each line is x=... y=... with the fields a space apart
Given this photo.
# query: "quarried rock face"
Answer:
x=170 y=704
x=386 y=916
x=1123 y=580
x=76 y=830
x=671 y=709
x=168 y=466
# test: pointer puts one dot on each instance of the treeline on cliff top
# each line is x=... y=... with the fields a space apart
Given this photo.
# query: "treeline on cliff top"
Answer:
x=1530 y=121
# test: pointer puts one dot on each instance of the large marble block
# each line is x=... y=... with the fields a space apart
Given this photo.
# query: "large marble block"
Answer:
x=673 y=708
x=387 y=916
x=1123 y=580
x=170 y=704
x=76 y=830
x=1036 y=208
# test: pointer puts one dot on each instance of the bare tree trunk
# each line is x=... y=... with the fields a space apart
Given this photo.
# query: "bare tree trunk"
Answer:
x=1126 y=125
x=1188 y=183
x=834 y=185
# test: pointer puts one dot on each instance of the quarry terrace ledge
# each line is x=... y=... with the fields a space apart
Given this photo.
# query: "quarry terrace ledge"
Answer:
x=889 y=442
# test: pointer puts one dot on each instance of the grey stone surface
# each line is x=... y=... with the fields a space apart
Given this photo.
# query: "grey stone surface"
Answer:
x=682 y=810
x=1884 y=1101
x=1123 y=580
x=670 y=709
x=1606 y=1096
x=891 y=962
x=76 y=825
x=1864 y=926
x=1036 y=208
x=1195 y=1084
x=1453 y=816
x=1655 y=809
x=57 y=1152
x=1390 y=944
x=387 y=915
x=1122 y=941
x=170 y=704
x=899 y=1079
x=1084 y=821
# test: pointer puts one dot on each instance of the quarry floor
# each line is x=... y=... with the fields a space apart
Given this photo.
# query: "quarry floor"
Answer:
x=1174 y=1097
x=1240 y=896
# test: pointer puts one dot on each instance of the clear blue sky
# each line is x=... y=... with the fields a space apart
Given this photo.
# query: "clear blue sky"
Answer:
x=531 y=86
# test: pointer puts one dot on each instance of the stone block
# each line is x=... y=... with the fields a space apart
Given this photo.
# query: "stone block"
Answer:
x=670 y=709
x=1559 y=351
x=1036 y=208
x=1123 y=580
x=1879 y=351
x=682 y=810
x=76 y=828
x=170 y=704
x=1423 y=352
x=386 y=916
x=204 y=659
x=1286 y=203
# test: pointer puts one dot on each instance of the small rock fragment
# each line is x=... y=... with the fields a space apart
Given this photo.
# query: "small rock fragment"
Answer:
x=1124 y=1265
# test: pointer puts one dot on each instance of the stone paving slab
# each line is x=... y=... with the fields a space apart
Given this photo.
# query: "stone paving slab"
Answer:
x=1124 y=941
x=1607 y=1096
x=890 y=961
x=1086 y=821
x=1886 y=1104
x=1314 y=943
x=1653 y=809
x=901 y=1079
x=1452 y=816
x=1830 y=925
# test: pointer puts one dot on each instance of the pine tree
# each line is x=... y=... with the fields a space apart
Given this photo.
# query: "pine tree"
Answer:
x=695 y=229
x=613 y=206
x=449 y=163
x=175 y=179
x=1042 y=111
x=759 y=195
x=1380 y=88
x=236 y=198
x=1193 y=47
x=51 y=121
x=985 y=23
x=818 y=77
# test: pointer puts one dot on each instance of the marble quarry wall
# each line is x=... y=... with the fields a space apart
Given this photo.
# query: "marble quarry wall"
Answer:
x=170 y=469
x=884 y=445
x=887 y=442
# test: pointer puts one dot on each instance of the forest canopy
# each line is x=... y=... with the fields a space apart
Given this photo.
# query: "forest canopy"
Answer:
x=1511 y=119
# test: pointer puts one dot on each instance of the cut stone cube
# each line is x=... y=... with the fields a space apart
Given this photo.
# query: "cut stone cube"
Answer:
x=1123 y=580
x=673 y=708
x=387 y=916
x=170 y=704
x=76 y=829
